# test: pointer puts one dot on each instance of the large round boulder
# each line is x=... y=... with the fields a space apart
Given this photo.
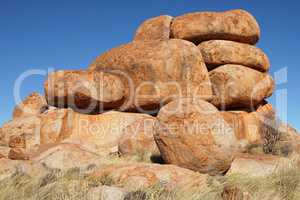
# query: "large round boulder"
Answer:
x=84 y=91
x=235 y=25
x=156 y=28
x=155 y=72
x=221 y=52
x=237 y=86
x=193 y=134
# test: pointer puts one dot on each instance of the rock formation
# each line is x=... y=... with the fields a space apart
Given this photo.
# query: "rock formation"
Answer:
x=189 y=91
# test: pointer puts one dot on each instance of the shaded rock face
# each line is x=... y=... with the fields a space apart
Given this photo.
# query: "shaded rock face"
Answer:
x=234 y=25
x=249 y=127
x=84 y=91
x=237 y=86
x=33 y=105
x=256 y=165
x=140 y=175
x=193 y=134
x=221 y=52
x=138 y=139
x=156 y=72
x=157 y=28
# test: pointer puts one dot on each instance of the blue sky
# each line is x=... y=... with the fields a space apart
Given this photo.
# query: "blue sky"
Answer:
x=64 y=34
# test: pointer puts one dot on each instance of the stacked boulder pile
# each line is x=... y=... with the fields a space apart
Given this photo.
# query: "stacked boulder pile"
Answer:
x=189 y=92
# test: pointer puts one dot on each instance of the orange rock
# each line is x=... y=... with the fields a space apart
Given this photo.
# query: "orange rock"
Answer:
x=140 y=175
x=65 y=156
x=256 y=165
x=235 y=25
x=157 y=28
x=156 y=72
x=17 y=141
x=237 y=86
x=221 y=52
x=22 y=132
x=18 y=154
x=250 y=127
x=97 y=133
x=193 y=134
x=137 y=138
x=84 y=91
x=34 y=104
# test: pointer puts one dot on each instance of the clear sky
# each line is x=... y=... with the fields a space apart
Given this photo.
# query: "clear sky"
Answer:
x=64 y=34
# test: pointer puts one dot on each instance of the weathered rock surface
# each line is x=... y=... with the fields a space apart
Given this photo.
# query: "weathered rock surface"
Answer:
x=256 y=165
x=137 y=139
x=84 y=91
x=156 y=72
x=249 y=126
x=157 y=28
x=26 y=129
x=33 y=105
x=194 y=135
x=65 y=156
x=140 y=175
x=221 y=52
x=235 y=25
x=237 y=86
x=97 y=133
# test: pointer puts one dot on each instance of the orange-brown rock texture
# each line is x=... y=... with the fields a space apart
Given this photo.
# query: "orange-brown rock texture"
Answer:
x=157 y=28
x=84 y=91
x=237 y=86
x=157 y=111
x=256 y=165
x=142 y=175
x=235 y=25
x=221 y=52
x=34 y=104
x=194 y=135
x=137 y=138
x=156 y=72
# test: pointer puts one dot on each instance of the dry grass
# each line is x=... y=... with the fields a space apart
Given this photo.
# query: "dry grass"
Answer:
x=73 y=184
